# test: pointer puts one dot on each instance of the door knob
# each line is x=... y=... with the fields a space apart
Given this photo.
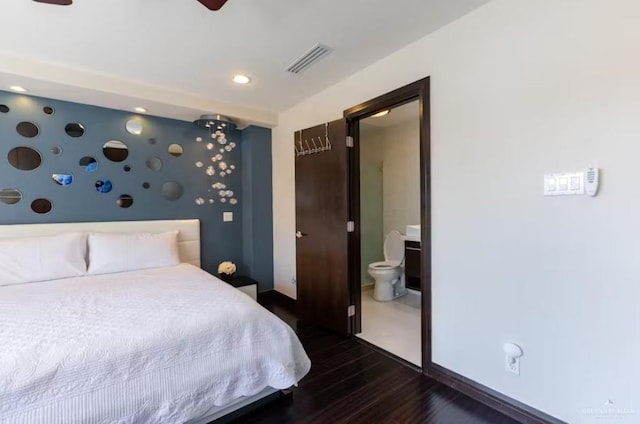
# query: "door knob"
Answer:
x=300 y=234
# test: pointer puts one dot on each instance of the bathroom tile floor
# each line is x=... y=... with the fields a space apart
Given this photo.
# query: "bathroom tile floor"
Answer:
x=394 y=325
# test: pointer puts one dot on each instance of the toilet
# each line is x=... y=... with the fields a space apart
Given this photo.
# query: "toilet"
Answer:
x=389 y=274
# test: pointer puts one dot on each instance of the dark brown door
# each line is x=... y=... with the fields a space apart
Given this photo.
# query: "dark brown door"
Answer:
x=322 y=211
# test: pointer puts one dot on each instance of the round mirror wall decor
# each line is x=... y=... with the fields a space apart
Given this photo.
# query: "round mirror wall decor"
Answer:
x=10 y=196
x=41 y=206
x=146 y=186
x=56 y=150
x=74 y=130
x=115 y=150
x=63 y=178
x=27 y=129
x=48 y=110
x=171 y=190
x=133 y=127
x=89 y=163
x=125 y=201
x=104 y=186
x=24 y=158
x=126 y=168
x=4 y=109
x=176 y=150
x=154 y=163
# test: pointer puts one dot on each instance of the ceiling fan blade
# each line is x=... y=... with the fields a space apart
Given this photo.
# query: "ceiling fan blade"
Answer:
x=58 y=2
x=213 y=4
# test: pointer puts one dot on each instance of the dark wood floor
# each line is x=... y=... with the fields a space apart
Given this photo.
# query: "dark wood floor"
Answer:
x=352 y=383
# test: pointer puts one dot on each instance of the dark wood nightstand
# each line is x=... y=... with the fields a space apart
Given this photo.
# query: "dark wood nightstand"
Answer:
x=246 y=285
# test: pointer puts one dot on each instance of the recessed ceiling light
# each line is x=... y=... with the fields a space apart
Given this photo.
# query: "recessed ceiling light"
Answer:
x=18 y=89
x=241 y=79
x=381 y=114
x=141 y=110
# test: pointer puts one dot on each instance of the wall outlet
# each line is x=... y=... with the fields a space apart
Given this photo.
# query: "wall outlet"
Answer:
x=227 y=216
x=512 y=365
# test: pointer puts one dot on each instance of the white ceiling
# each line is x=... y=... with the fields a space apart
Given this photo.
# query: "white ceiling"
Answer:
x=177 y=58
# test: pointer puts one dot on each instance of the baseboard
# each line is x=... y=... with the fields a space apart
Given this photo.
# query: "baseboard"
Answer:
x=489 y=397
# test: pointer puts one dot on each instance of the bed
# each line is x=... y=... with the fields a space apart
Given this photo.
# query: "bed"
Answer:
x=159 y=345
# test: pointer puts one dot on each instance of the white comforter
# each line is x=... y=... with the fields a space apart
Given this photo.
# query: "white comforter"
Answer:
x=154 y=346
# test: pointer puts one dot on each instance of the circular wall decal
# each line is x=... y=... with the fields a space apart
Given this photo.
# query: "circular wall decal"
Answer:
x=4 y=109
x=125 y=201
x=154 y=163
x=41 y=206
x=48 y=110
x=24 y=158
x=10 y=196
x=171 y=190
x=89 y=163
x=104 y=186
x=27 y=129
x=115 y=150
x=74 y=130
x=63 y=178
x=176 y=150
x=133 y=127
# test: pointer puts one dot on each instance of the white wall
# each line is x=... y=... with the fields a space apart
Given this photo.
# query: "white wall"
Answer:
x=401 y=175
x=520 y=88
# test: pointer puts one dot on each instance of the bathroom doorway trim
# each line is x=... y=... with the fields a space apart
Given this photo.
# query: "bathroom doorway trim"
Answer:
x=419 y=91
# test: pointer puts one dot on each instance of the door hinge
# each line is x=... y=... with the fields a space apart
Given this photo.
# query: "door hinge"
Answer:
x=349 y=141
x=351 y=226
x=351 y=310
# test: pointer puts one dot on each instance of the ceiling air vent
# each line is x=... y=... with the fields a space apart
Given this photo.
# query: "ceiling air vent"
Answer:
x=303 y=63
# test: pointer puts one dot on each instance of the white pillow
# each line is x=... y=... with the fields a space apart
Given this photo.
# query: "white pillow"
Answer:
x=128 y=252
x=31 y=259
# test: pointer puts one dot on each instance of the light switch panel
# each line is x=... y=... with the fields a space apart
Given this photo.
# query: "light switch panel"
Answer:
x=564 y=184
x=227 y=216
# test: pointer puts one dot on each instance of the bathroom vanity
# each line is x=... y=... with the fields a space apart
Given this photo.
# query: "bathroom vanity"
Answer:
x=412 y=257
x=412 y=264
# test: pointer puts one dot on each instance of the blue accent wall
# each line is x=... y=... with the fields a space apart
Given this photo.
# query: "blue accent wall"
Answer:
x=82 y=202
x=257 y=205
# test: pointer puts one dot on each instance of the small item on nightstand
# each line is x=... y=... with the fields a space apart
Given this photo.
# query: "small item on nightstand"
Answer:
x=226 y=270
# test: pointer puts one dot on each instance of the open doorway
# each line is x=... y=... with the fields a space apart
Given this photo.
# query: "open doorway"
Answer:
x=401 y=314
x=389 y=157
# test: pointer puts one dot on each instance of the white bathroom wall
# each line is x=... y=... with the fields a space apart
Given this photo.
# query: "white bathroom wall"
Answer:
x=371 y=198
x=520 y=88
x=401 y=175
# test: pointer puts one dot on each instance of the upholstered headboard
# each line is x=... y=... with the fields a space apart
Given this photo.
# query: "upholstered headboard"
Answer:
x=188 y=238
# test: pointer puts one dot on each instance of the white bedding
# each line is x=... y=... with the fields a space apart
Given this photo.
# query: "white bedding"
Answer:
x=153 y=346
